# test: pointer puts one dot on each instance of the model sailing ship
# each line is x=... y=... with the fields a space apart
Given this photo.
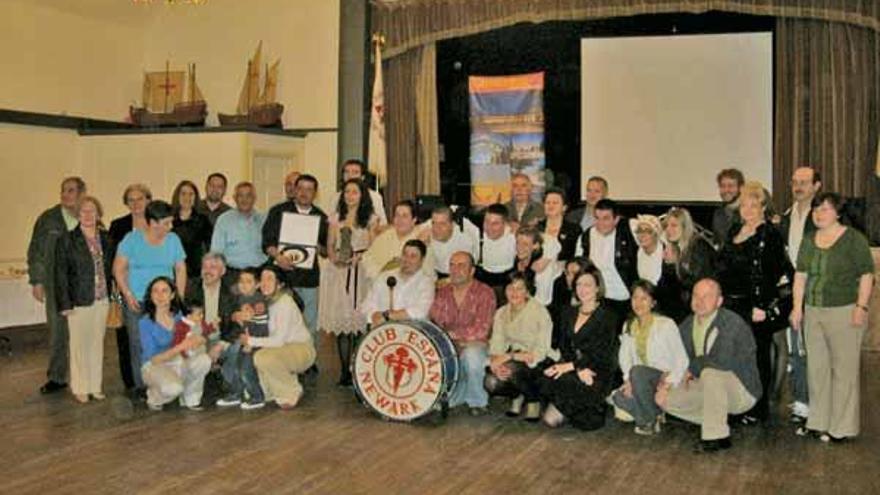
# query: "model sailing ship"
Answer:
x=254 y=107
x=171 y=98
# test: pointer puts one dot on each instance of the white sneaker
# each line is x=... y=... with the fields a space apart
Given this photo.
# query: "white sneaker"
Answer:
x=228 y=402
x=248 y=405
x=800 y=409
x=621 y=415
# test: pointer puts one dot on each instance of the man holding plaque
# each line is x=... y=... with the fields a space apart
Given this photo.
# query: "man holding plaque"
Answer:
x=294 y=243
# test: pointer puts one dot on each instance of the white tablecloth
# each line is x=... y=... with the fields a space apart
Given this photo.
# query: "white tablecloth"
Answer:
x=17 y=305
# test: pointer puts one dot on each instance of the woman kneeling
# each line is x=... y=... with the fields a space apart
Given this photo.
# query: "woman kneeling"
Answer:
x=651 y=356
x=170 y=370
x=519 y=348
x=576 y=386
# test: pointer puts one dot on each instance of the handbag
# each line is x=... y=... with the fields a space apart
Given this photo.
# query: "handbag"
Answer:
x=115 y=320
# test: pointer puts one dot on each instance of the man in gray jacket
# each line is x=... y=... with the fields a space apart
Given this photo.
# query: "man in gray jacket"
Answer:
x=722 y=376
x=41 y=273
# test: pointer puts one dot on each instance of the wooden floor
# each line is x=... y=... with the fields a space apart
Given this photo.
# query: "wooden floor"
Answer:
x=331 y=444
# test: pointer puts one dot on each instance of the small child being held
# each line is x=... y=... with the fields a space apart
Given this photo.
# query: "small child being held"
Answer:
x=251 y=316
x=253 y=306
x=193 y=324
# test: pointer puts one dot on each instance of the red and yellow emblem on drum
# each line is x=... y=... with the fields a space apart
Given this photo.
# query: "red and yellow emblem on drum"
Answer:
x=398 y=371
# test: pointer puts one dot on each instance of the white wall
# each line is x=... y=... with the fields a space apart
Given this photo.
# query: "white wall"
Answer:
x=220 y=37
x=86 y=58
x=33 y=163
x=56 y=62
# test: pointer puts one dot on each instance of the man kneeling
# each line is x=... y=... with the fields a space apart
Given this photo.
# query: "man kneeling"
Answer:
x=464 y=308
x=722 y=376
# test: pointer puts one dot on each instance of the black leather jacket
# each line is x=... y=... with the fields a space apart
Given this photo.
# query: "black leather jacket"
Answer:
x=75 y=269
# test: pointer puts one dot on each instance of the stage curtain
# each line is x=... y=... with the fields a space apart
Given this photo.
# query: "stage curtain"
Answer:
x=827 y=96
x=411 y=124
x=408 y=24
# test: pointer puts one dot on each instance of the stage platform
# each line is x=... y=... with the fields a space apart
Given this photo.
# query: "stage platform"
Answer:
x=331 y=444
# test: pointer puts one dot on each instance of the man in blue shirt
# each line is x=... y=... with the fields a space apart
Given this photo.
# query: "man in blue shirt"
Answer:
x=238 y=234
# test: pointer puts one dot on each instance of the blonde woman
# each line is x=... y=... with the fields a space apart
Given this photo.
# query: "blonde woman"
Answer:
x=687 y=258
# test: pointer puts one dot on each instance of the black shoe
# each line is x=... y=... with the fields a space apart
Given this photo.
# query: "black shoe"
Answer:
x=829 y=438
x=344 y=381
x=710 y=446
x=51 y=387
x=803 y=431
x=137 y=394
x=748 y=420
x=798 y=420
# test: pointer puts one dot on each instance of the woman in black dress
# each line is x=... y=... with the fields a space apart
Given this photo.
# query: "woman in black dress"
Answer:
x=193 y=228
x=751 y=265
x=576 y=386
x=563 y=294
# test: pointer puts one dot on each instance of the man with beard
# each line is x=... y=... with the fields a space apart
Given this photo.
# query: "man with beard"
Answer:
x=213 y=206
x=730 y=180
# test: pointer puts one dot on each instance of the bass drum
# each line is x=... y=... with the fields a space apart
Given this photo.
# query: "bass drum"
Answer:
x=404 y=369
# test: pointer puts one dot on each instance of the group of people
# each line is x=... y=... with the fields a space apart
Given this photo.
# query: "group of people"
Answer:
x=567 y=313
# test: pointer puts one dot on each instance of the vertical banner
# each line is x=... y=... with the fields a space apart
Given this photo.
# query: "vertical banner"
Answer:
x=507 y=134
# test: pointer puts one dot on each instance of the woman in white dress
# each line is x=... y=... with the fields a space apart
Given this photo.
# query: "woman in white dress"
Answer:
x=344 y=282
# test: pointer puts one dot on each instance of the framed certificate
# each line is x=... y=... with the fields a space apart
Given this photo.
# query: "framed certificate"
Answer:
x=298 y=239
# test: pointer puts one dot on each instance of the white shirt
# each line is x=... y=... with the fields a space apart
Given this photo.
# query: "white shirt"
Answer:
x=602 y=255
x=499 y=254
x=796 y=232
x=415 y=294
x=650 y=265
x=439 y=252
x=212 y=303
x=544 y=280
x=378 y=205
x=286 y=325
x=665 y=350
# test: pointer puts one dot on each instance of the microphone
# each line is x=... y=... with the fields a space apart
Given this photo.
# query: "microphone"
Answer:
x=391 y=282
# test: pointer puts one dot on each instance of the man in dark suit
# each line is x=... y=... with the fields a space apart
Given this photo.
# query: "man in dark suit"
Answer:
x=596 y=190
x=797 y=223
x=610 y=245
x=48 y=228
x=301 y=192
x=522 y=210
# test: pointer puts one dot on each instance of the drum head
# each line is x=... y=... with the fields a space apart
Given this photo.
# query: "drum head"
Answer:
x=401 y=370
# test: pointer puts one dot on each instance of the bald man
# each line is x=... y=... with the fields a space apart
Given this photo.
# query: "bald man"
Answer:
x=722 y=376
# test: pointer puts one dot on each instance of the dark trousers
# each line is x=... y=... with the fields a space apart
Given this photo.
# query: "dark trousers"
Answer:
x=122 y=348
x=764 y=345
x=58 y=340
x=524 y=381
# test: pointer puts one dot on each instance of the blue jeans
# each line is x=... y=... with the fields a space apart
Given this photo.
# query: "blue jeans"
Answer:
x=797 y=357
x=472 y=360
x=132 y=323
x=240 y=374
x=309 y=296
